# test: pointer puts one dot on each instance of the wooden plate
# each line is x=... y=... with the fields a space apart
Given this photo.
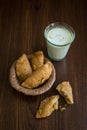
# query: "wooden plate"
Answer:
x=28 y=91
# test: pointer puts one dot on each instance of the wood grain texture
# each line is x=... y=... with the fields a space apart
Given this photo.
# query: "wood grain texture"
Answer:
x=22 y=24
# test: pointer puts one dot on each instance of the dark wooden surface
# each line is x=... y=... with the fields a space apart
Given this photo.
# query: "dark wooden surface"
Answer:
x=22 y=24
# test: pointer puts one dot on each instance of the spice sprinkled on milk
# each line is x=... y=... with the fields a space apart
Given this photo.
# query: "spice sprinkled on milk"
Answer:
x=58 y=38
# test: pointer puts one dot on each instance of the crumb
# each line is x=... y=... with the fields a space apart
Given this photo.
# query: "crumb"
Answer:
x=62 y=108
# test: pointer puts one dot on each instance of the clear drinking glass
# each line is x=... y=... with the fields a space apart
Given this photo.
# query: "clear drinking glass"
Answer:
x=59 y=37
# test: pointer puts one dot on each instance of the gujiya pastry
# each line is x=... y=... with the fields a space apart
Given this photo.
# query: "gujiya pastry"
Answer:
x=50 y=104
x=26 y=76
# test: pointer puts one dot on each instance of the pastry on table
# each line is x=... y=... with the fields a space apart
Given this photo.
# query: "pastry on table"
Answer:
x=47 y=106
x=39 y=76
x=37 y=60
x=23 y=68
x=65 y=90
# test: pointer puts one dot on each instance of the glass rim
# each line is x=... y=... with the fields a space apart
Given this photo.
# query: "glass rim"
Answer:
x=62 y=24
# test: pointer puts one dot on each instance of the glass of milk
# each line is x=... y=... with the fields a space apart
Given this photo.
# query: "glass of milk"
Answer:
x=59 y=37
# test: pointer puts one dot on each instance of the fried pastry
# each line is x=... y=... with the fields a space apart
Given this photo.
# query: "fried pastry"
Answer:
x=39 y=76
x=47 y=106
x=65 y=90
x=23 y=68
x=37 y=60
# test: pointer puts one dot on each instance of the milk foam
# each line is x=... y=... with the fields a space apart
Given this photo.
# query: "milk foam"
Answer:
x=59 y=36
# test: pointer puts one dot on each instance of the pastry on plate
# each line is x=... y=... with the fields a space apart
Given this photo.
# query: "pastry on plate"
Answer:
x=65 y=90
x=22 y=77
x=37 y=60
x=23 y=68
x=47 y=106
x=39 y=76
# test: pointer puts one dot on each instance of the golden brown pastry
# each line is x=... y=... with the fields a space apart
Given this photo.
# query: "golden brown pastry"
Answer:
x=37 y=60
x=47 y=106
x=39 y=76
x=23 y=68
x=65 y=90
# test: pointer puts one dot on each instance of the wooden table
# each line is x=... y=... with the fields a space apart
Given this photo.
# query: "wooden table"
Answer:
x=22 y=24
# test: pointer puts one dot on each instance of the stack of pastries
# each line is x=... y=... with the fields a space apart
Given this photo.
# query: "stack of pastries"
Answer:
x=34 y=71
